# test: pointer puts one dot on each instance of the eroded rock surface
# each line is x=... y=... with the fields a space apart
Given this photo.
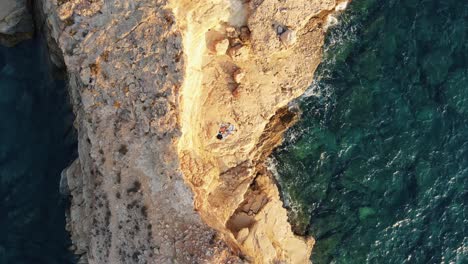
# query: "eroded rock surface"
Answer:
x=129 y=201
x=234 y=192
x=16 y=22
x=150 y=82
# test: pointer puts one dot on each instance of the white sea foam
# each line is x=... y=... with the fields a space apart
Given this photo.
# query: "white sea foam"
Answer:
x=341 y=6
x=272 y=167
x=331 y=21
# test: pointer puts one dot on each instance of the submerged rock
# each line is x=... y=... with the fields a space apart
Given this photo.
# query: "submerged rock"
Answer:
x=16 y=22
x=365 y=212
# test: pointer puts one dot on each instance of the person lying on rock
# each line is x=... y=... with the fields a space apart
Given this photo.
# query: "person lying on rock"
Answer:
x=225 y=130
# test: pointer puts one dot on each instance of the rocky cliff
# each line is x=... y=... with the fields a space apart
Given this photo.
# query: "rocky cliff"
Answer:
x=150 y=82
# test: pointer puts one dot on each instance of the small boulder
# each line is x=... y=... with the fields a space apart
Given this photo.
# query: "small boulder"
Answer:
x=221 y=46
x=65 y=11
x=242 y=235
x=238 y=75
x=288 y=38
x=231 y=32
x=279 y=30
x=85 y=75
x=63 y=186
x=341 y=6
x=244 y=34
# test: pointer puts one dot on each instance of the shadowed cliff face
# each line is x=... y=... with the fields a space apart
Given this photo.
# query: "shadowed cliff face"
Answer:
x=37 y=142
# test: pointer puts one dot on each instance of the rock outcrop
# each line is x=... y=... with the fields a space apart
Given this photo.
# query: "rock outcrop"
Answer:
x=234 y=193
x=150 y=82
x=16 y=22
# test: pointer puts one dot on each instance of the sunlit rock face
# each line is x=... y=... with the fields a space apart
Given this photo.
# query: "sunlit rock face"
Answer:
x=248 y=86
x=150 y=82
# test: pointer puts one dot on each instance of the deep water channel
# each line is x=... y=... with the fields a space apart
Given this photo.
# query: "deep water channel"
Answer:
x=37 y=142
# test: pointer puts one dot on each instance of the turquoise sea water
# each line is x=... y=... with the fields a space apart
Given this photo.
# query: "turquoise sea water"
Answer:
x=36 y=142
x=377 y=168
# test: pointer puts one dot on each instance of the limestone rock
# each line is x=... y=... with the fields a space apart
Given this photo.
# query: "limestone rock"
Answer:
x=85 y=75
x=244 y=35
x=221 y=46
x=239 y=53
x=152 y=184
x=242 y=235
x=341 y=6
x=129 y=202
x=231 y=32
x=292 y=14
x=288 y=37
x=16 y=22
x=233 y=190
x=63 y=186
x=280 y=30
x=238 y=75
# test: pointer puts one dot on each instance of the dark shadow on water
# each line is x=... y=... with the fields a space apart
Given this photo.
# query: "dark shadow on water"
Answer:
x=37 y=141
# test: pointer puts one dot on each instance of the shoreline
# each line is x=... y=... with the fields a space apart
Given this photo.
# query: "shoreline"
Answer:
x=234 y=192
x=150 y=83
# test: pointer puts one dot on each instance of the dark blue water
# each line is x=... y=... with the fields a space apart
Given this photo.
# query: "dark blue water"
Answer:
x=377 y=169
x=36 y=142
